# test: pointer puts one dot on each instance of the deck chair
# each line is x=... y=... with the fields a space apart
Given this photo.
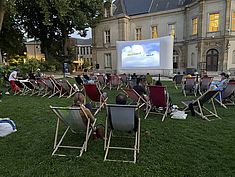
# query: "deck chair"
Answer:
x=178 y=80
x=204 y=84
x=68 y=88
x=21 y=87
x=121 y=118
x=159 y=101
x=224 y=97
x=114 y=81
x=30 y=87
x=93 y=92
x=79 y=82
x=199 y=105
x=102 y=81
x=71 y=118
x=136 y=98
x=189 y=86
x=123 y=78
x=44 y=89
x=52 y=86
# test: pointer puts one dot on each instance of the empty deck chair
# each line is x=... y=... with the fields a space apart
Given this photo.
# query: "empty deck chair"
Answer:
x=224 y=97
x=30 y=87
x=189 y=86
x=71 y=118
x=122 y=118
x=52 y=86
x=199 y=105
x=93 y=92
x=159 y=101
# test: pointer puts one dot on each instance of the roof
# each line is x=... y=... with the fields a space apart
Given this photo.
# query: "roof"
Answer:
x=84 y=41
x=137 y=7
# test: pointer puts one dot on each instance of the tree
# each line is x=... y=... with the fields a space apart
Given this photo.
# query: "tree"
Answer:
x=51 y=21
x=2 y=11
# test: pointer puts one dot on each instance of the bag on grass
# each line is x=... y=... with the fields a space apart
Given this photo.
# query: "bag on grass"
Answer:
x=7 y=127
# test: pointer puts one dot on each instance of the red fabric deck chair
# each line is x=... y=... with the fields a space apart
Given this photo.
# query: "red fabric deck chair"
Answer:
x=159 y=101
x=21 y=88
x=136 y=98
x=94 y=94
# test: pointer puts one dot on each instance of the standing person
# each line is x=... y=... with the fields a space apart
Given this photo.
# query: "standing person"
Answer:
x=12 y=79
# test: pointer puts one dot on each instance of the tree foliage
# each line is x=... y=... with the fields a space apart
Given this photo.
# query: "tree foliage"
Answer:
x=51 y=21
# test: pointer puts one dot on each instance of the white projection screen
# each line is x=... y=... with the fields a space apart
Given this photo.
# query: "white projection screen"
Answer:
x=154 y=56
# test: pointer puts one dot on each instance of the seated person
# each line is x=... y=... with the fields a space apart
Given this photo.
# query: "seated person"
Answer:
x=149 y=79
x=139 y=87
x=31 y=75
x=38 y=74
x=220 y=85
x=85 y=75
x=79 y=102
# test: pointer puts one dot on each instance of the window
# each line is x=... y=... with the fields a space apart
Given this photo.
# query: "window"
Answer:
x=214 y=22
x=138 y=35
x=107 y=36
x=107 y=60
x=233 y=57
x=194 y=26
x=192 y=59
x=233 y=21
x=175 y=59
x=154 y=32
x=171 y=30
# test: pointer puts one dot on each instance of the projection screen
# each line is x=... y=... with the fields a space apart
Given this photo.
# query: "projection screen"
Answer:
x=142 y=56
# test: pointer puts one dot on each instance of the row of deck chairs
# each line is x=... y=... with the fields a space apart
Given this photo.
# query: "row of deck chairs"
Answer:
x=46 y=87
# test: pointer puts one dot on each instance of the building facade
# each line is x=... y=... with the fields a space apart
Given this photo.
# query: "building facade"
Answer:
x=34 y=50
x=203 y=31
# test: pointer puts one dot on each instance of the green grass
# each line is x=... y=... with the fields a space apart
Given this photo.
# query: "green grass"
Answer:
x=191 y=147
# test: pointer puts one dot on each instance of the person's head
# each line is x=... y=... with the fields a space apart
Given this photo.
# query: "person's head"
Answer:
x=158 y=82
x=121 y=99
x=223 y=75
x=178 y=73
x=78 y=99
x=147 y=73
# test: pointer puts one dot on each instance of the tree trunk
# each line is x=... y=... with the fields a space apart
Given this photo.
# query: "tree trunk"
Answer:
x=2 y=11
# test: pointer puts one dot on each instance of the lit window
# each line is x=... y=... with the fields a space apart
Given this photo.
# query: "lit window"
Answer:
x=214 y=22
x=233 y=21
x=171 y=30
x=154 y=32
x=107 y=60
x=138 y=34
x=107 y=36
x=194 y=26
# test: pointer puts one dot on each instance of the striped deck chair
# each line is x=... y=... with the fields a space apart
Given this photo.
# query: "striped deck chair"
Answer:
x=224 y=97
x=67 y=88
x=52 y=86
x=71 y=118
x=159 y=101
x=122 y=118
x=93 y=92
x=199 y=105
x=204 y=84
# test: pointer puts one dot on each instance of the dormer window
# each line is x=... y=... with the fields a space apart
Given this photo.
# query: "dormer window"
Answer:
x=108 y=9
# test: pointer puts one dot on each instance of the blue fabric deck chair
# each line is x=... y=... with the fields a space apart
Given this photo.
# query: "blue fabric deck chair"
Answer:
x=122 y=118
x=71 y=118
x=199 y=105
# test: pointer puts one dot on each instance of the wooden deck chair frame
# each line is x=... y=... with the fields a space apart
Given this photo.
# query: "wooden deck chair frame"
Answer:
x=225 y=95
x=52 y=86
x=80 y=82
x=21 y=87
x=114 y=82
x=178 y=80
x=154 y=101
x=125 y=122
x=189 y=85
x=88 y=128
x=102 y=81
x=204 y=84
x=44 y=90
x=30 y=88
x=202 y=109
x=68 y=88
x=95 y=96
x=136 y=98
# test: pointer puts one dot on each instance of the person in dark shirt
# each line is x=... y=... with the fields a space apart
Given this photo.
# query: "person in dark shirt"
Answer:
x=139 y=87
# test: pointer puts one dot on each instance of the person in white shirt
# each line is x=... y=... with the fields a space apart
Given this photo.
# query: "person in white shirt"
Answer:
x=12 y=78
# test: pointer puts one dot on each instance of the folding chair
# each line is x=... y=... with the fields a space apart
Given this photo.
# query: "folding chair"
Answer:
x=102 y=81
x=68 y=88
x=52 y=86
x=30 y=87
x=136 y=98
x=189 y=86
x=204 y=84
x=123 y=79
x=178 y=80
x=95 y=95
x=21 y=87
x=199 y=105
x=79 y=81
x=159 y=101
x=224 y=97
x=71 y=118
x=114 y=82
x=121 y=118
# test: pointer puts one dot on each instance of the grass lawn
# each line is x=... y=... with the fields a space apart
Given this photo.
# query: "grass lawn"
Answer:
x=191 y=147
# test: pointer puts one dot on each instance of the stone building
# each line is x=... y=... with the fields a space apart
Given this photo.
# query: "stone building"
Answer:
x=203 y=31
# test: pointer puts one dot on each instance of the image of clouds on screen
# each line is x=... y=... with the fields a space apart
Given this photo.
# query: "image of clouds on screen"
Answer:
x=145 y=54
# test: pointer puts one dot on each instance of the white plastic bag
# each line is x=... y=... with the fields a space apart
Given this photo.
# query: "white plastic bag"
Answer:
x=178 y=115
x=7 y=127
